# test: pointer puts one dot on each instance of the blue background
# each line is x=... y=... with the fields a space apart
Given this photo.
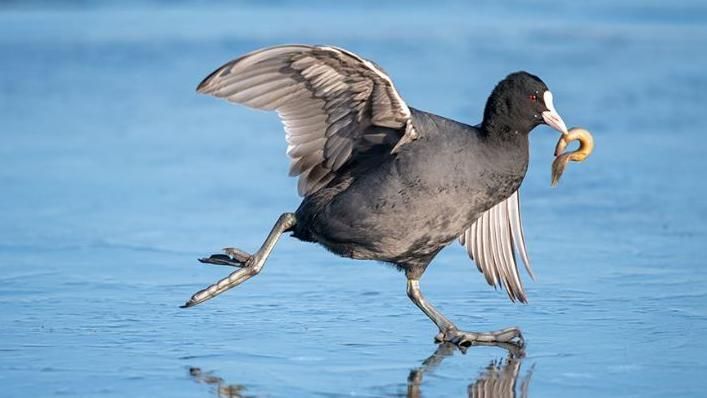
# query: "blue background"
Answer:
x=115 y=176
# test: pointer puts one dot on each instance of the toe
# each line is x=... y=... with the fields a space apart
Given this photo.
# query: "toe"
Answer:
x=461 y=339
x=506 y=335
x=510 y=336
x=237 y=254
x=221 y=259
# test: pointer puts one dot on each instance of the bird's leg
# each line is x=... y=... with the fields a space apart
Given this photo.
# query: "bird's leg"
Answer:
x=248 y=268
x=413 y=291
x=448 y=332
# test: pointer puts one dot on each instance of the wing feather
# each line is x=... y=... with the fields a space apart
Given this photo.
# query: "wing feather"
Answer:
x=516 y=228
x=494 y=241
x=326 y=97
x=300 y=165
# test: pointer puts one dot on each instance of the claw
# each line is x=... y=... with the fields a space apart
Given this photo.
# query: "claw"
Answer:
x=439 y=338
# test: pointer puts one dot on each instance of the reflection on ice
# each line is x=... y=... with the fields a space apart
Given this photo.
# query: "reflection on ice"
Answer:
x=222 y=389
x=498 y=380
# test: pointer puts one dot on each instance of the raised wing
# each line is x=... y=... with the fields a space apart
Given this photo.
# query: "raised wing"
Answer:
x=327 y=99
x=492 y=242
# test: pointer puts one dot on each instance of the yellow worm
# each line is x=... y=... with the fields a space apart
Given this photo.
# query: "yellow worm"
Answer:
x=586 y=145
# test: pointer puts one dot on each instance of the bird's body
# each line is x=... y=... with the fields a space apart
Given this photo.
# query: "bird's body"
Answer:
x=404 y=208
x=383 y=181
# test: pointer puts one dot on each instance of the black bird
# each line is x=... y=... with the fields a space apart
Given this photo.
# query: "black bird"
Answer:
x=384 y=181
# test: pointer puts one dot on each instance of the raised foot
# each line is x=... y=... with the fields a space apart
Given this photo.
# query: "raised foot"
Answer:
x=510 y=336
x=233 y=258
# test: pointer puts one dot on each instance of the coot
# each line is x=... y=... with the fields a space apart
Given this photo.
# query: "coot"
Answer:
x=383 y=181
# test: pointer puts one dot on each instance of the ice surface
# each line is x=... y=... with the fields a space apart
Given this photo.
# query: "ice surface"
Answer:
x=115 y=176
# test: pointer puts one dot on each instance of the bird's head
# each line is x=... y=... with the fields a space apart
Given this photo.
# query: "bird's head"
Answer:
x=519 y=103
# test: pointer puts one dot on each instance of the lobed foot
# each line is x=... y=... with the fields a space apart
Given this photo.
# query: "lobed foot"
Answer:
x=511 y=336
x=233 y=258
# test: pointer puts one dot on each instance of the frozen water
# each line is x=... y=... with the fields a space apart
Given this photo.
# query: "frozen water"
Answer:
x=115 y=176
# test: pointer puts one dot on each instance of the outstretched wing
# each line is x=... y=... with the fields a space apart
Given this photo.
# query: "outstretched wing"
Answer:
x=493 y=240
x=327 y=99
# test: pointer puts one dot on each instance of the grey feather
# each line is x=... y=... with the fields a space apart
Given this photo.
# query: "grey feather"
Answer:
x=306 y=148
x=513 y=204
x=339 y=155
x=300 y=165
x=493 y=241
x=302 y=136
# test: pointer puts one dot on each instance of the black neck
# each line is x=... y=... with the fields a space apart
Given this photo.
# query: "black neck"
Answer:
x=509 y=142
x=502 y=129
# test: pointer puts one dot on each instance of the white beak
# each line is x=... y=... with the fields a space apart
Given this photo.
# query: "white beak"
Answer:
x=550 y=116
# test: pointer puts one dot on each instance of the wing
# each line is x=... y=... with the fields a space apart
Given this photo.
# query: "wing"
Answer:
x=327 y=99
x=492 y=242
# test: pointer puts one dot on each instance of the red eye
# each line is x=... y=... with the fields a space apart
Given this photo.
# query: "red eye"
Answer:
x=533 y=97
